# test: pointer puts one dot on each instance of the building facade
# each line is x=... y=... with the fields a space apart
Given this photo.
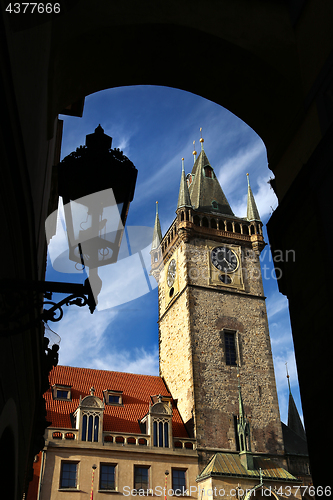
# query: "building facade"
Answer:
x=111 y=433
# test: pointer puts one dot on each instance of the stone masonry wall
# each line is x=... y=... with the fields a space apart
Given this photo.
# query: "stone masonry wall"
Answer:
x=175 y=346
x=192 y=352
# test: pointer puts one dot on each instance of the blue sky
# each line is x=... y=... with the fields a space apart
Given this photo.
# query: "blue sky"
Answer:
x=155 y=127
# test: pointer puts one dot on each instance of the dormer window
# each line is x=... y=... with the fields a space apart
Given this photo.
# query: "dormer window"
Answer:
x=113 y=398
x=159 y=420
x=189 y=179
x=215 y=205
x=209 y=172
x=62 y=392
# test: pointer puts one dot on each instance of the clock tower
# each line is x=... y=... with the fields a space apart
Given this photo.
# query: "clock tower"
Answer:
x=213 y=329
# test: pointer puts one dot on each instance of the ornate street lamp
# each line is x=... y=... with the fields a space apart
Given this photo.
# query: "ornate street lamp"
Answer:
x=97 y=184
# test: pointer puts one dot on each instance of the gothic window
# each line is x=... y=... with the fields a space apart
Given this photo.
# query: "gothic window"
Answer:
x=205 y=222
x=90 y=426
x=196 y=220
x=141 y=479
x=84 y=427
x=107 y=477
x=68 y=475
x=213 y=224
x=230 y=348
x=161 y=433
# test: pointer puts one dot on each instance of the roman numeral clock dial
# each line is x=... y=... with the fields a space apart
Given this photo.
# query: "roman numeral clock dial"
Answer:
x=171 y=273
x=226 y=261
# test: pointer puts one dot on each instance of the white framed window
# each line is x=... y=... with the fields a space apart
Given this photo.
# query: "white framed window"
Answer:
x=62 y=392
x=113 y=398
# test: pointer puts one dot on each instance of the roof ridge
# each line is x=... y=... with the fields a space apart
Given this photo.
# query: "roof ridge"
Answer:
x=107 y=371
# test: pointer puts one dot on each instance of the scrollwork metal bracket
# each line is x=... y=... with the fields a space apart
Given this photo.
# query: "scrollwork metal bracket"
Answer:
x=48 y=310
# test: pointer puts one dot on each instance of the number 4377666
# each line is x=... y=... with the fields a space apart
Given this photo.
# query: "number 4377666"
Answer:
x=31 y=7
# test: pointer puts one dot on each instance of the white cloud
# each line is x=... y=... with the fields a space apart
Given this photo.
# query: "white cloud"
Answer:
x=265 y=197
x=276 y=303
x=231 y=170
x=82 y=334
x=158 y=182
x=85 y=343
x=131 y=361
x=123 y=144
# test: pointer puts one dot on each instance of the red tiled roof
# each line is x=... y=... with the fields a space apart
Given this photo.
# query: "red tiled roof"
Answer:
x=137 y=390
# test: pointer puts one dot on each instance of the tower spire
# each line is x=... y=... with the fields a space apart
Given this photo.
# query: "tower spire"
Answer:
x=288 y=377
x=184 y=199
x=205 y=190
x=157 y=234
x=252 y=210
x=243 y=431
x=294 y=420
x=240 y=401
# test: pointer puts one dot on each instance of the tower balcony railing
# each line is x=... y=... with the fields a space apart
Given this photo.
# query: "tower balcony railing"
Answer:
x=58 y=434
x=115 y=439
x=185 y=443
x=227 y=226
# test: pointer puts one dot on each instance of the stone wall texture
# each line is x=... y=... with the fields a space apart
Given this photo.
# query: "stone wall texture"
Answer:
x=192 y=351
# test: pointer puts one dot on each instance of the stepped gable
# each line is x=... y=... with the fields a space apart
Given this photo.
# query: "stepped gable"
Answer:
x=137 y=391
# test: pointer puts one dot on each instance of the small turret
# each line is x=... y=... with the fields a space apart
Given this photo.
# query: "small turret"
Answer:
x=157 y=234
x=294 y=420
x=156 y=252
x=252 y=210
x=205 y=190
x=184 y=199
x=243 y=431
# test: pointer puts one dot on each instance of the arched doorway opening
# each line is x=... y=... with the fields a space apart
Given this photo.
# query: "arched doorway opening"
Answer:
x=154 y=127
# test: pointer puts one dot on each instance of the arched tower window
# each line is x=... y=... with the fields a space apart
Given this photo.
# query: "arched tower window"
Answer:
x=196 y=220
x=209 y=172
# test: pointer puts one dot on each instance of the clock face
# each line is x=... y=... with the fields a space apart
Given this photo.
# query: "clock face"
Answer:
x=171 y=273
x=224 y=259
